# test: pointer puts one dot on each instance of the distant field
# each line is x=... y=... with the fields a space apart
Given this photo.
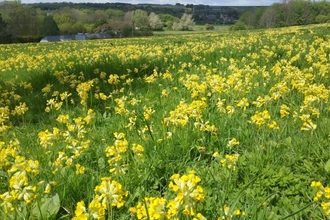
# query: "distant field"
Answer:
x=196 y=29
x=217 y=125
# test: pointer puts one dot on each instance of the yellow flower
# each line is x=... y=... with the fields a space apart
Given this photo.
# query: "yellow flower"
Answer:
x=155 y=208
x=285 y=110
x=243 y=103
x=188 y=191
x=232 y=143
x=273 y=125
x=80 y=169
x=308 y=126
x=111 y=192
x=80 y=212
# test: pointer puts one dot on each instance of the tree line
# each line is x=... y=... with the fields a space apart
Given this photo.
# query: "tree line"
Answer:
x=28 y=23
x=286 y=13
x=31 y=22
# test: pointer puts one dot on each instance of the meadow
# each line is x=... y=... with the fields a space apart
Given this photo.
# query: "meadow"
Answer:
x=196 y=29
x=224 y=125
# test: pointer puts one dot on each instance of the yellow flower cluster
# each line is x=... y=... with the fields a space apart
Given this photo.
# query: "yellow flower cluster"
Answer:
x=322 y=196
x=72 y=137
x=138 y=151
x=115 y=153
x=229 y=161
x=180 y=116
x=109 y=194
x=20 y=171
x=83 y=90
x=156 y=208
x=188 y=193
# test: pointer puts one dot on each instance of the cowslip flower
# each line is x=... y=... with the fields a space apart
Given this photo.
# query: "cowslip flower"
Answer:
x=188 y=192
x=80 y=212
x=111 y=192
x=155 y=208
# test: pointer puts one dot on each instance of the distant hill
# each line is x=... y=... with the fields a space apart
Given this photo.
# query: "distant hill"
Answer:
x=202 y=14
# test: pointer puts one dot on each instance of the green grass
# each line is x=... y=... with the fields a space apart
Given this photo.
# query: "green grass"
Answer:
x=185 y=100
x=197 y=29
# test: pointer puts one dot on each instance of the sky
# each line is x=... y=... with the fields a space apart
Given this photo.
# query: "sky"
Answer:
x=173 y=2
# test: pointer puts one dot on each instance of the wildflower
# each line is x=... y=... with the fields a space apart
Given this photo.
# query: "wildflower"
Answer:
x=188 y=191
x=260 y=118
x=232 y=143
x=80 y=169
x=80 y=212
x=230 y=109
x=64 y=96
x=111 y=192
x=285 y=110
x=230 y=161
x=90 y=116
x=148 y=111
x=308 y=125
x=138 y=150
x=7 y=199
x=243 y=103
x=63 y=119
x=113 y=79
x=220 y=104
x=103 y=96
x=155 y=208
x=96 y=208
x=21 y=109
x=165 y=93
x=115 y=152
x=273 y=125
x=83 y=89
x=47 y=89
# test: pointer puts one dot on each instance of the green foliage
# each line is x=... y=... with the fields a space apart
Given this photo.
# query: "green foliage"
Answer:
x=238 y=26
x=155 y=22
x=288 y=13
x=140 y=19
x=3 y=25
x=209 y=27
x=192 y=102
x=322 y=19
x=185 y=23
x=50 y=27
x=47 y=207
x=114 y=13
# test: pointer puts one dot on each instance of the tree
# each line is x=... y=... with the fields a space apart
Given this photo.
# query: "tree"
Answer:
x=155 y=22
x=239 y=25
x=3 y=25
x=249 y=18
x=23 y=21
x=209 y=27
x=267 y=19
x=49 y=26
x=140 y=19
x=167 y=20
x=115 y=13
x=4 y=36
x=63 y=18
x=185 y=23
x=79 y=27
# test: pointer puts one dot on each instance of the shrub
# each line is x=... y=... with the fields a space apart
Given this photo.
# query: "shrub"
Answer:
x=239 y=25
x=209 y=27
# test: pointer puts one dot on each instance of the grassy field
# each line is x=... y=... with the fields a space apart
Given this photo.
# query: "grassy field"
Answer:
x=197 y=29
x=220 y=125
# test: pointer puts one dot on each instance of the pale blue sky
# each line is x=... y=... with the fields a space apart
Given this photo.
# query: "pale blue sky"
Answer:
x=195 y=2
